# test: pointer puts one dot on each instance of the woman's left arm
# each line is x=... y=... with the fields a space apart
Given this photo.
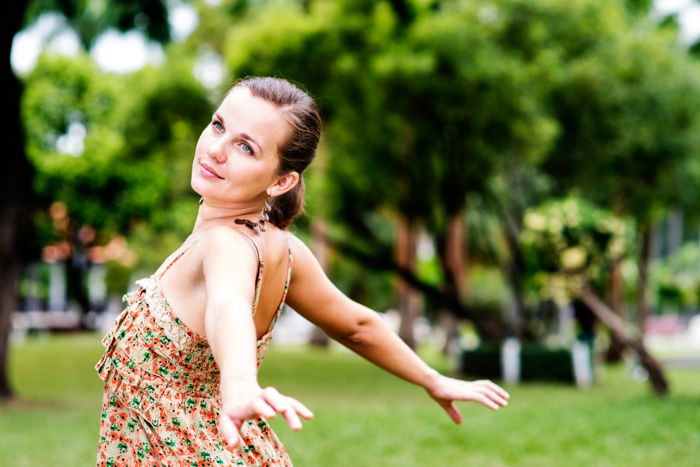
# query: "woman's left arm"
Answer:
x=363 y=331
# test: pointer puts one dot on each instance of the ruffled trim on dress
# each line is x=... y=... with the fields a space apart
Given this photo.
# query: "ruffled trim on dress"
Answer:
x=159 y=308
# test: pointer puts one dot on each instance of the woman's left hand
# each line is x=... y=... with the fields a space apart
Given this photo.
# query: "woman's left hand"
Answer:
x=245 y=401
x=446 y=390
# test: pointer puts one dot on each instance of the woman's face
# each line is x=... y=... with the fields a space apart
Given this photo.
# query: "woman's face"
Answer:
x=236 y=158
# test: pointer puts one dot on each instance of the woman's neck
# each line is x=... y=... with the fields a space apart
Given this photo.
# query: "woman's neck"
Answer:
x=212 y=213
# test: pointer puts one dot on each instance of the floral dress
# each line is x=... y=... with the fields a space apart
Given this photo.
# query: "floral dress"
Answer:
x=161 y=401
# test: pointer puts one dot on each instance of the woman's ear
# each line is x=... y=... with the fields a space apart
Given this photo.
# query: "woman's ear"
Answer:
x=283 y=184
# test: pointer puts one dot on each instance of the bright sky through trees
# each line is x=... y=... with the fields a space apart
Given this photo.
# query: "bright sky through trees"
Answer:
x=126 y=52
x=113 y=50
x=689 y=18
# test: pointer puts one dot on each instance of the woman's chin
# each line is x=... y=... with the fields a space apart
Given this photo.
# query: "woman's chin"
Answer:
x=199 y=186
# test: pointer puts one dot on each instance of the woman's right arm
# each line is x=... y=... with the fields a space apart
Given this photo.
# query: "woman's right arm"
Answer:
x=228 y=265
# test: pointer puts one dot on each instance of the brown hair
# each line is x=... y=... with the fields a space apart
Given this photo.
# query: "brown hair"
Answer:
x=297 y=152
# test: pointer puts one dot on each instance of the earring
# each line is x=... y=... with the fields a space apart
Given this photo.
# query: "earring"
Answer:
x=265 y=214
x=201 y=200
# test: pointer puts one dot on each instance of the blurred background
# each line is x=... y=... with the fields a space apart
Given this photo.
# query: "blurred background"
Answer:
x=513 y=184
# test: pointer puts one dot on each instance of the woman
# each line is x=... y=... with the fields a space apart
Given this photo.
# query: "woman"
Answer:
x=180 y=366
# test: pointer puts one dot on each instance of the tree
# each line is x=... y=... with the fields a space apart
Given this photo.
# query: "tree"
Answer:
x=423 y=94
x=572 y=243
x=453 y=98
x=16 y=181
x=645 y=86
x=132 y=170
x=15 y=188
x=623 y=98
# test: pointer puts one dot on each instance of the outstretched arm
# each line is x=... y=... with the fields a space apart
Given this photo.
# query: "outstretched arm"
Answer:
x=362 y=330
x=229 y=265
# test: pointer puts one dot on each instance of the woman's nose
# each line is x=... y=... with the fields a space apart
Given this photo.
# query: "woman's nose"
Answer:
x=215 y=150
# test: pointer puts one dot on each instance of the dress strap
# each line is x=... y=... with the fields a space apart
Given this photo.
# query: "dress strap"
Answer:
x=159 y=274
x=286 y=284
x=260 y=273
x=252 y=242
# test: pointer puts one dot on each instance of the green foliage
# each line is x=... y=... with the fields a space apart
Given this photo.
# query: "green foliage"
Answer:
x=117 y=278
x=132 y=173
x=60 y=93
x=351 y=278
x=162 y=131
x=568 y=242
x=90 y=18
x=676 y=280
x=629 y=125
x=639 y=6
x=488 y=292
x=432 y=109
x=466 y=89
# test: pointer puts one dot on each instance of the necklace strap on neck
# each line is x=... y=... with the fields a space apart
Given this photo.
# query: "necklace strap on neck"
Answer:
x=251 y=225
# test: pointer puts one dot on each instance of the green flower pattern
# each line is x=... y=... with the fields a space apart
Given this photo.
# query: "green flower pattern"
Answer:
x=161 y=399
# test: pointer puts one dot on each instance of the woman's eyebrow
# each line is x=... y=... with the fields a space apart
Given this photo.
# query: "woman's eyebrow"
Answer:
x=217 y=116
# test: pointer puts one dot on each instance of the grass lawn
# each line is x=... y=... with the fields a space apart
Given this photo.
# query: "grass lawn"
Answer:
x=365 y=417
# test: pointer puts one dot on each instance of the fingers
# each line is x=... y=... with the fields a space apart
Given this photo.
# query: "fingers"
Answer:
x=264 y=408
x=483 y=392
x=494 y=387
x=495 y=392
x=484 y=400
x=495 y=397
x=229 y=431
x=281 y=405
x=301 y=409
x=288 y=407
x=453 y=412
x=266 y=403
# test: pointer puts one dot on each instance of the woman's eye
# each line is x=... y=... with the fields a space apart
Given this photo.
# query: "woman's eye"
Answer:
x=217 y=125
x=246 y=148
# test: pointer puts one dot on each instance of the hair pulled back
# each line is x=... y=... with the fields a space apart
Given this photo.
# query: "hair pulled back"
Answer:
x=297 y=152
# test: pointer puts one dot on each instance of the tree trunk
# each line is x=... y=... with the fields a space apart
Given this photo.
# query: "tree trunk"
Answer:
x=453 y=260
x=514 y=274
x=643 y=282
x=407 y=298
x=457 y=254
x=8 y=279
x=15 y=188
x=76 y=282
x=658 y=380
x=319 y=230
x=675 y=230
x=616 y=347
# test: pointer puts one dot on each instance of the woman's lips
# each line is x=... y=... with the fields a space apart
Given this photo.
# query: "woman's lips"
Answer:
x=208 y=171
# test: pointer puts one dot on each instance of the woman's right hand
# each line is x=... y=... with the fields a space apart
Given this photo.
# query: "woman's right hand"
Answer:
x=445 y=391
x=251 y=401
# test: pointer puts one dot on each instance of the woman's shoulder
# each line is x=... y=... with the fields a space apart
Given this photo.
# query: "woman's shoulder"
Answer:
x=297 y=245
x=305 y=262
x=223 y=241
